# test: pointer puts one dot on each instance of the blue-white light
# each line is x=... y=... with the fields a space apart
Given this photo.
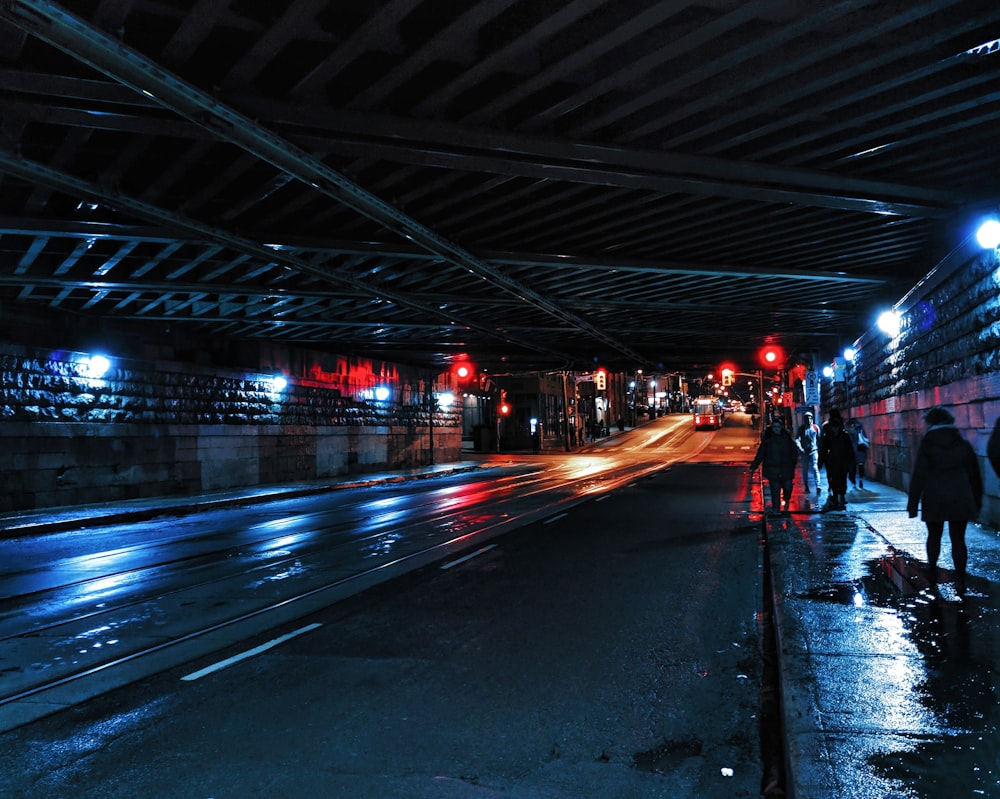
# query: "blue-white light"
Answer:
x=988 y=234
x=849 y=354
x=889 y=323
x=278 y=384
x=94 y=367
x=446 y=399
x=381 y=393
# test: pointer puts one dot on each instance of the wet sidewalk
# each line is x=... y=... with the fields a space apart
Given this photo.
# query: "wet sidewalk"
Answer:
x=888 y=688
x=49 y=520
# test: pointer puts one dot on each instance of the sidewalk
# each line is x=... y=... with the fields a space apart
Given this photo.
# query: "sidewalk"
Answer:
x=887 y=687
x=49 y=520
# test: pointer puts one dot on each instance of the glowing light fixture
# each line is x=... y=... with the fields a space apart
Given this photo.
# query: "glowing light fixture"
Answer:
x=278 y=384
x=988 y=234
x=849 y=354
x=445 y=399
x=986 y=48
x=96 y=366
x=381 y=393
x=889 y=323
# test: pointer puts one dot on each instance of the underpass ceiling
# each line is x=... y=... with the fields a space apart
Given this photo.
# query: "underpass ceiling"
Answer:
x=534 y=184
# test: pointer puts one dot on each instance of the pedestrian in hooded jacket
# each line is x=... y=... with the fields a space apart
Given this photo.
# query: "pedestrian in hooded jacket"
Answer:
x=947 y=486
x=836 y=453
x=778 y=453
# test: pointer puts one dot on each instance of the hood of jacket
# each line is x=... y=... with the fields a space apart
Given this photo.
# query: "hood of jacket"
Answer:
x=944 y=445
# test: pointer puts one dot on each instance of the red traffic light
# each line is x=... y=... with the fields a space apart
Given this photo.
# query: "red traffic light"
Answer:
x=771 y=356
x=465 y=375
x=504 y=409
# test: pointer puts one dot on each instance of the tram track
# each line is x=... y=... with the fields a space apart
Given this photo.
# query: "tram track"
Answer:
x=85 y=656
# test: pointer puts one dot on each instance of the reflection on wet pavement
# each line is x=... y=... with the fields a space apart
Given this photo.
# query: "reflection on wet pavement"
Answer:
x=905 y=674
x=958 y=642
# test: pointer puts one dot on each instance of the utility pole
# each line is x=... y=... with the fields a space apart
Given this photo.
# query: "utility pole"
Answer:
x=430 y=404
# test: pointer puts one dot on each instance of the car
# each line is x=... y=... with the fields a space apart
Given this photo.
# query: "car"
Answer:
x=707 y=413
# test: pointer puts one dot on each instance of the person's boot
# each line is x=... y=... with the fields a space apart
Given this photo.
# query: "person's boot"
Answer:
x=960 y=584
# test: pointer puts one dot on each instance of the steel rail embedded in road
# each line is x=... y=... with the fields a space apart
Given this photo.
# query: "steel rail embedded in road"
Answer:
x=29 y=703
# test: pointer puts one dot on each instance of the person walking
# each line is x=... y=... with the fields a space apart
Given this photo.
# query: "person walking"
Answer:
x=946 y=486
x=807 y=441
x=836 y=453
x=993 y=447
x=778 y=454
x=859 y=439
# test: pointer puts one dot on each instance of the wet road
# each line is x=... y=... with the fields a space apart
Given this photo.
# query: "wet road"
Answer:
x=607 y=648
x=567 y=657
x=145 y=596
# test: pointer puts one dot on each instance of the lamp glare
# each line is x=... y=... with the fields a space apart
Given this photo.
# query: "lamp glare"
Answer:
x=96 y=366
x=988 y=234
x=889 y=322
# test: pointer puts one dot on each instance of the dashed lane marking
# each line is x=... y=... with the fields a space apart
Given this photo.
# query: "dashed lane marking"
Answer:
x=194 y=675
x=470 y=556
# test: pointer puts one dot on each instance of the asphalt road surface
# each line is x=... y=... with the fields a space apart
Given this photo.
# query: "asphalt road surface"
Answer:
x=608 y=650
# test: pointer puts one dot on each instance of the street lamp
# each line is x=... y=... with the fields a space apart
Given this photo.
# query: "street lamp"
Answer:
x=889 y=323
x=988 y=235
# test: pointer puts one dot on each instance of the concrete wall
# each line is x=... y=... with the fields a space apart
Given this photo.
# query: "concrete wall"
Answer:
x=168 y=428
x=947 y=353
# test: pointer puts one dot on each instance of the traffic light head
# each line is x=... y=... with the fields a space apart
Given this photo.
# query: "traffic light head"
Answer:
x=601 y=379
x=505 y=409
x=771 y=356
x=466 y=378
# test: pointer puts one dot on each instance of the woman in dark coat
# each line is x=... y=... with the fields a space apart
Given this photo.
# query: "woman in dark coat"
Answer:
x=780 y=456
x=836 y=453
x=947 y=486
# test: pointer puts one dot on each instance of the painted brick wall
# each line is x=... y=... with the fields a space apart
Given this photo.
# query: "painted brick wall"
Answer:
x=947 y=353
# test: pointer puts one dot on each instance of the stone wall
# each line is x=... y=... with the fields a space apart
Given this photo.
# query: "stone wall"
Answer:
x=947 y=353
x=167 y=428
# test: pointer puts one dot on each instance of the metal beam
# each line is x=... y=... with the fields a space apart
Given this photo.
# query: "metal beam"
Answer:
x=75 y=37
x=34 y=172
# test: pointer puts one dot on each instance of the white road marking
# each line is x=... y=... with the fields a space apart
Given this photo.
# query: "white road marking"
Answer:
x=194 y=675
x=471 y=555
x=555 y=518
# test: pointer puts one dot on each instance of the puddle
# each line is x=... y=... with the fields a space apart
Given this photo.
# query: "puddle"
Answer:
x=959 y=641
x=967 y=764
